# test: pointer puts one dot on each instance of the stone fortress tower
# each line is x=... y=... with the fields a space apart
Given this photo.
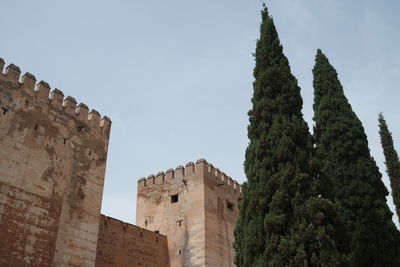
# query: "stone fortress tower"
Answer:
x=53 y=156
x=196 y=207
x=52 y=163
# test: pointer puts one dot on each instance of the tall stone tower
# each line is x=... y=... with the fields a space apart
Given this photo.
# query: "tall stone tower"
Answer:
x=52 y=165
x=196 y=207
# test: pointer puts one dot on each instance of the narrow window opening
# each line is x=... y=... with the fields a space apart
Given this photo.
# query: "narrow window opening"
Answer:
x=65 y=140
x=180 y=251
x=5 y=111
x=174 y=198
x=179 y=222
x=145 y=223
x=36 y=126
x=229 y=205
x=90 y=152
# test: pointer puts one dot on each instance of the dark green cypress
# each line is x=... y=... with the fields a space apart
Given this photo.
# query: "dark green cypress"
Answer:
x=283 y=219
x=392 y=162
x=350 y=173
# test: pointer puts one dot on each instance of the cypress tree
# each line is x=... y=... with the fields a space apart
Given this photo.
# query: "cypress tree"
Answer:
x=350 y=173
x=283 y=219
x=392 y=162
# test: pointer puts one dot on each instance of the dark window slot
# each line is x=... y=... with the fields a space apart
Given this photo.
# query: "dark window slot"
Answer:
x=229 y=205
x=174 y=198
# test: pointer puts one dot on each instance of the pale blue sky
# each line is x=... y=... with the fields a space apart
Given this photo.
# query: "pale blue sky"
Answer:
x=175 y=76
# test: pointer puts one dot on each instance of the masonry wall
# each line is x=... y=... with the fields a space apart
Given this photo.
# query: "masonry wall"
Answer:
x=125 y=245
x=52 y=165
x=222 y=197
x=183 y=221
x=198 y=235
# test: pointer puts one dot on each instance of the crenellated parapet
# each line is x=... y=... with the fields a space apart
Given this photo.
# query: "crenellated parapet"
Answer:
x=183 y=172
x=41 y=93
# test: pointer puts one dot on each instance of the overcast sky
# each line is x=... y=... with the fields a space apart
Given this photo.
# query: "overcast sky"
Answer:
x=175 y=76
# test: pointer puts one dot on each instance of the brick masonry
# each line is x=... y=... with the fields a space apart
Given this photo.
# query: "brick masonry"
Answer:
x=126 y=245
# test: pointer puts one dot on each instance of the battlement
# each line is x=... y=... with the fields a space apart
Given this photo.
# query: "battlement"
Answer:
x=182 y=172
x=42 y=94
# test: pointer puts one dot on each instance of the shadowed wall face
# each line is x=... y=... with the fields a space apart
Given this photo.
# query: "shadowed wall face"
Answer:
x=222 y=196
x=126 y=245
x=52 y=165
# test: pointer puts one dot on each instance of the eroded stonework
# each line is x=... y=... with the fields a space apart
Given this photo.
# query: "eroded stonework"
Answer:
x=125 y=245
x=52 y=165
x=196 y=207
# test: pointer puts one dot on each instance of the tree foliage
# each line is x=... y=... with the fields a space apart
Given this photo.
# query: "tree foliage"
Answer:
x=283 y=219
x=350 y=174
x=392 y=162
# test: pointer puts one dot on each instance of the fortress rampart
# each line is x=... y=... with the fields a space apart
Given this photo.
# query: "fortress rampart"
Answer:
x=196 y=207
x=122 y=244
x=52 y=163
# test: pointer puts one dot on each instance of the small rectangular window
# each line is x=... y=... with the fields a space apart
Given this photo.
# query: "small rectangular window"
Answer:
x=174 y=198
x=229 y=205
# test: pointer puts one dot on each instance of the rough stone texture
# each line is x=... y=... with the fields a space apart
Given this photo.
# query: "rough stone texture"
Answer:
x=199 y=226
x=125 y=245
x=52 y=166
x=222 y=197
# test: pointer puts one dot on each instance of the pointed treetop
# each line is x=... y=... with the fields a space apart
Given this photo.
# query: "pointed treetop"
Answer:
x=269 y=50
x=320 y=58
x=391 y=161
x=326 y=79
x=382 y=120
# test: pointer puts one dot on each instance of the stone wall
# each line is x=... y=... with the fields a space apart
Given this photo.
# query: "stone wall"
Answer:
x=181 y=221
x=125 y=245
x=52 y=164
x=222 y=197
x=188 y=206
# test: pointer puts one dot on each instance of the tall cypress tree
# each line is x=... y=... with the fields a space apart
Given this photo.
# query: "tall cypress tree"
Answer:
x=350 y=173
x=283 y=219
x=392 y=162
